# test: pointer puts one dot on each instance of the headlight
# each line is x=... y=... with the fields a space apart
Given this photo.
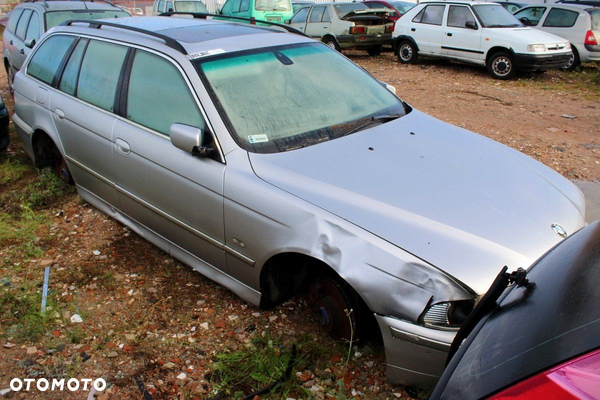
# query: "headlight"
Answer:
x=447 y=315
x=536 y=48
x=568 y=46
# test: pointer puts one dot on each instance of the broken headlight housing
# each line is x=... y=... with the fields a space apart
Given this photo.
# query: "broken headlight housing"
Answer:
x=448 y=314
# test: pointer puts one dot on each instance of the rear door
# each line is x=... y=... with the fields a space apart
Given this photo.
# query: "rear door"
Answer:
x=558 y=21
x=17 y=49
x=459 y=41
x=426 y=29
x=317 y=25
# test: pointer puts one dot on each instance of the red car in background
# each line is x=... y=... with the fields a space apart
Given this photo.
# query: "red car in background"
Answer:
x=399 y=7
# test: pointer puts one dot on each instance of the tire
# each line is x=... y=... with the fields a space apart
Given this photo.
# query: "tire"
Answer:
x=10 y=76
x=335 y=309
x=375 y=50
x=501 y=65
x=574 y=61
x=407 y=52
x=331 y=43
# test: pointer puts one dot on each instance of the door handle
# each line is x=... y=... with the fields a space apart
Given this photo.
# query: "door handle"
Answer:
x=122 y=146
x=10 y=42
x=413 y=29
x=22 y=51
x=59 y=113
x=325 y=27
x=448 y=34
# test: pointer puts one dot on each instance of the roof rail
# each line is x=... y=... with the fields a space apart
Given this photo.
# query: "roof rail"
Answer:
x=169 y=41
x=90 y=1
x=252 y=21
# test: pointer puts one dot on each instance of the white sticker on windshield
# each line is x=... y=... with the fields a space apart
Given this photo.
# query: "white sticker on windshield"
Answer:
x=258 y=138
x=206 y=53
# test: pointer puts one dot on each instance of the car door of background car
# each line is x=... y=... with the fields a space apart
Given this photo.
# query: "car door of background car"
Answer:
x=83 y=114
x=298 y=21
x=458 y=40
x=318 y=22
x=177 y=195
x=18 y=50
x=426 y=29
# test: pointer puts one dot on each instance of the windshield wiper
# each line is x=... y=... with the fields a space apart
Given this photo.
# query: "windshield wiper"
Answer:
x=380 y=119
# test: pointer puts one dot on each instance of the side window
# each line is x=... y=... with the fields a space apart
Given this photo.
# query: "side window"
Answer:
x=458 y=16
x=326 y=16
x=419 y=16
x=560 y=18
x=531 y=16
x=13 y=20
x=46 y=60
x=100 y=72
x=169 y=6
x=68 y=81
x=244 y=5
x=23 y=22
x=158 y=96
x=235 y=6
x=161 y=6
x=226 y=9
x=300 y=16
x=316 y=14
x=433 y=15
x=33 y=31
x=155 y=6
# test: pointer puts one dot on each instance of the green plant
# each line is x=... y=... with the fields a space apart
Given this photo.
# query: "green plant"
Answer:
x=21 y=315
x=45 y=190
x=11 y=170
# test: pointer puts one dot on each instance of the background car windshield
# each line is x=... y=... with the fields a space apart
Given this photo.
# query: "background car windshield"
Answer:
x=294 y=96
x=273 y=5
x=55 y=18
x=495 y=16
x=343 y=9
x=191 y=6
x=402 y=6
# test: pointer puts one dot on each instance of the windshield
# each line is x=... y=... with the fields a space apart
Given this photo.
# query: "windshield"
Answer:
x=402 y=6
x=495 y=16
x=273 y=5
x=190 y=6
x=343 y=9
x=289 y=97
x=55 y=18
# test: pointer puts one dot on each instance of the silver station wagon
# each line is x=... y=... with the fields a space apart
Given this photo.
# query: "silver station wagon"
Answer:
x=245 y=152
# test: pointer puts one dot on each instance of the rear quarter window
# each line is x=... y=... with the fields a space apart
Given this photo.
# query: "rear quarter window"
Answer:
x=46 y=60
x=595 y=15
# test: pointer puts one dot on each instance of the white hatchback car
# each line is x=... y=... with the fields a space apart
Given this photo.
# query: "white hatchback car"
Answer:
x=578 y=23
x=477 y=32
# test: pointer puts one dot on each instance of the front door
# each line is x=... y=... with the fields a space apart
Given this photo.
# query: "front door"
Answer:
x=458 y=40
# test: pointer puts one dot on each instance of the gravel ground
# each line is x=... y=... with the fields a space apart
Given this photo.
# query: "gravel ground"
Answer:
x=152 y=327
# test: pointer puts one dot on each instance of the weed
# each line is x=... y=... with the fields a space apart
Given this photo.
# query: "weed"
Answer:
x=22 y=230
x=45 y=190
x=12 y=170
x=21 y=315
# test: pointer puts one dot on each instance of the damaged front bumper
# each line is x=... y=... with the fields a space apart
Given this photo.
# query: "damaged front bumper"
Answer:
x=415 y=355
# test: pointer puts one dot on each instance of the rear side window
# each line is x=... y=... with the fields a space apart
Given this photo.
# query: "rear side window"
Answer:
x=432 y=15
x=100 y=72
x=316 y=14
x=23 y=22
x=559 y=18
x=33 y=30
x=13 y=20
x=244 y=5
x=158 y=96
x=46 y=60
x=68 y=82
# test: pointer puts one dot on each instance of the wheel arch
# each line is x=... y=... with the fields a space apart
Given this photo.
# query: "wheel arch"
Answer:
x=496 y=49
x=399 y=39
x=45 y=149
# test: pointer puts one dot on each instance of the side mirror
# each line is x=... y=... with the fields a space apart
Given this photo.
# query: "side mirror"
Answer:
x=189 y=139
x=388 y=87
x=29 y=43
x=138 y=11
x=471 y=25
x=287 y=21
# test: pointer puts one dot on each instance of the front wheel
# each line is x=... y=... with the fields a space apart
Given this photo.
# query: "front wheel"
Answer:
x=407 y=53
x=574 y=61
x=501 y=65
x=336 y=311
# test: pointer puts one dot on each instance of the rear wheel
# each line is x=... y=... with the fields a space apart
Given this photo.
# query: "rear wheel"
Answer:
x=375 y=50
x=62 y=170
x=574 y=61
x=501 y=65
x=331 y=43
x=11 y=79
x=407 y=53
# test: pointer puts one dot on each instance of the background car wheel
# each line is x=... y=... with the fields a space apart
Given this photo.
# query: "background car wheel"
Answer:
x=574 y=61
x=331 y=43
x=11 y=79
x=336 y=312
x=62 y=170
x=407 y=53
x=375 y=50
x=501 y=65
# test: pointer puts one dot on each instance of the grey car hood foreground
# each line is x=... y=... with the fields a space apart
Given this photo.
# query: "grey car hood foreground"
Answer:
x=462 y=202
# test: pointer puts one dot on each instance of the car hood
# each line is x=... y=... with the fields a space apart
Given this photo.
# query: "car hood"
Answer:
x=526 y=35
x=464 y=203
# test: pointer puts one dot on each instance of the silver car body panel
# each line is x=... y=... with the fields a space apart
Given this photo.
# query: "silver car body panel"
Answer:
x=429 y=215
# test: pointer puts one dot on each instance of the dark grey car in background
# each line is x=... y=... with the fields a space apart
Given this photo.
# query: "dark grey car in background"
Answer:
x=267 y=172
